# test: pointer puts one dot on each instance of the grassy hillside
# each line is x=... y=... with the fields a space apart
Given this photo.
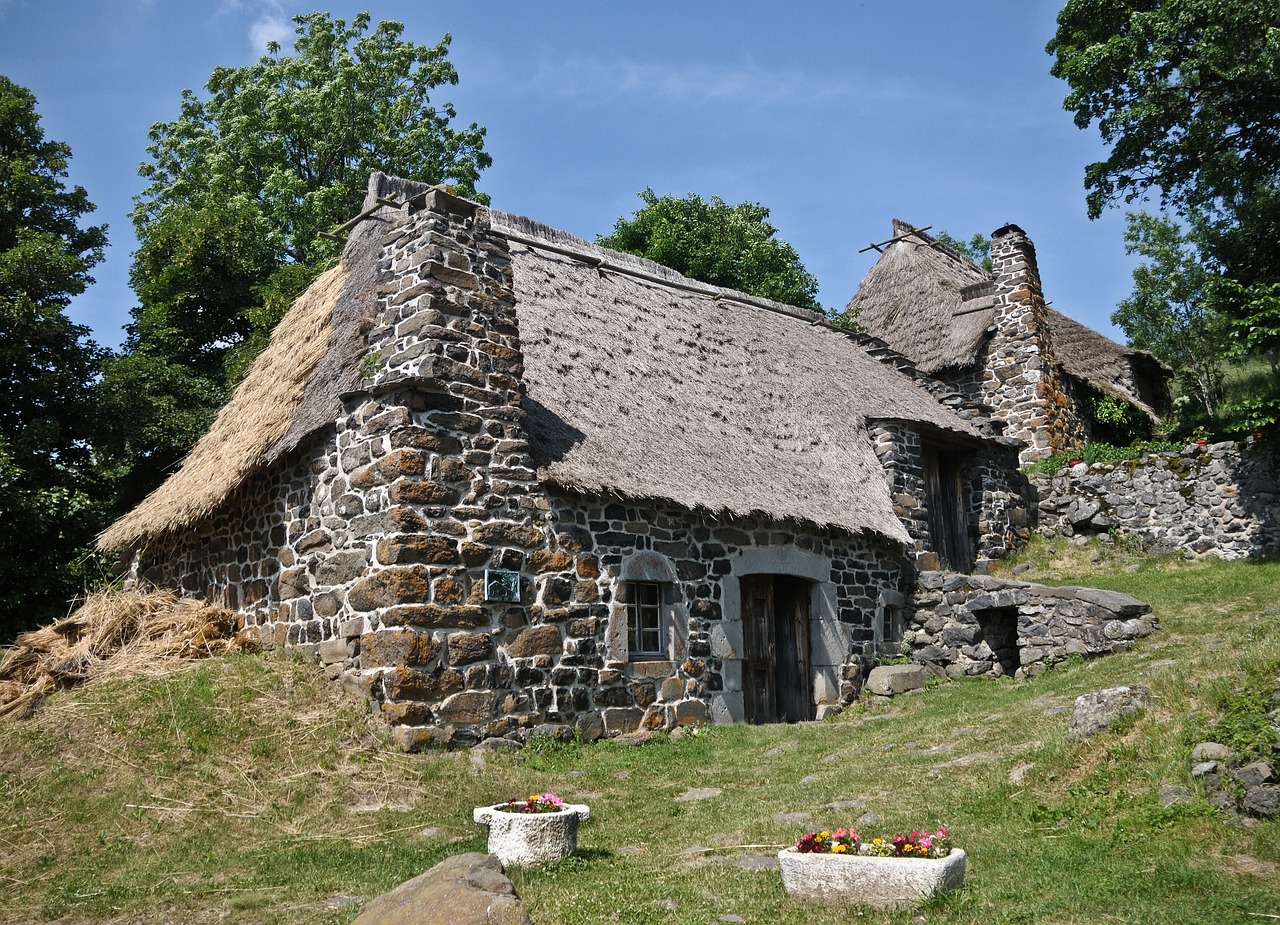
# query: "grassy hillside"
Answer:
x=245 y=789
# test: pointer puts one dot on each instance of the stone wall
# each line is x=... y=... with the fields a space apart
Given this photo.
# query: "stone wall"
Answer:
x=374 y=544
x=1221 y=500
x=1021 y=381
x=999 y=501
x=974 y=625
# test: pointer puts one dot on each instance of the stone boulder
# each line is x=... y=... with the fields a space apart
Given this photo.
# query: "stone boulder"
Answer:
x=888 y=680
x=466 y=889
x=1097 y=711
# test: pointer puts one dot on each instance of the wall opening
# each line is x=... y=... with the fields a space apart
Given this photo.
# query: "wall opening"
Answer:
x=777 y=660
x=999 y=627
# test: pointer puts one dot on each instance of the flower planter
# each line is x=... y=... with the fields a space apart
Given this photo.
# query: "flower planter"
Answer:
x=523 y=839
x=866 y=880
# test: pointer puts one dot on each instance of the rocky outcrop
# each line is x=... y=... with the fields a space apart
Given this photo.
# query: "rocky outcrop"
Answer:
x=467 y=889
x=1252 y=789
x=1098 y=711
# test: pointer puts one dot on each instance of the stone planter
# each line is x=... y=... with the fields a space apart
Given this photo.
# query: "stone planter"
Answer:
x=857 y=879
x=523 y=839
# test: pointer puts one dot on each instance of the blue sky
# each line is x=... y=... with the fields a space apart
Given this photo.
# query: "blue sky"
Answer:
x=838 y=116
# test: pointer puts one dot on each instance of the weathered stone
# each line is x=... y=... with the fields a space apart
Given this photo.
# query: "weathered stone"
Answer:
x=419 y=738
x=474 y=554
x=689 y=713
x=417 y=549
x=392 y=520
x=396 y=464
x=416 y=684
x=333 y=651
x=420 y=438
x=1095 y=712
x=466 y=889
x=888 y=680
x=546 y=560
x=505 y=533
x=315 y=541
x=448 y=590
x=589 y=726
x=1263 y=801
x=464 y=648
x=1254 y=774
x=342 y=567
x=422 y=492
x=535 y=640
x=397 y=647
x=467 y=708
x=435 y=616
x=391 y=586
x=293 y=582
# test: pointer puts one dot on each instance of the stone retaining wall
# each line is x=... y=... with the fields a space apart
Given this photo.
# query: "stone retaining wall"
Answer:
x=970 y=625
x=1219 y=500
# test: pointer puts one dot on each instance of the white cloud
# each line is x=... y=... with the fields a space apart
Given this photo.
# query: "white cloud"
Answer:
x=270 y=28
x=271 y=24
x=698 y=83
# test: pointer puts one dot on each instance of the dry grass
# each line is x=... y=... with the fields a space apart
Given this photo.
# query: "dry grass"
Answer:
x=258 y=415
x=114 y=633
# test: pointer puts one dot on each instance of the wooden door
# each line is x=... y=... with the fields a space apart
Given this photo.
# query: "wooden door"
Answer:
x=758 y=691
x=777 y=682
x=793 y=681
x=948 y=520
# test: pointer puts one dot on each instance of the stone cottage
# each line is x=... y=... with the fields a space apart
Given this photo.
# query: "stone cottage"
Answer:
x=991 y=337
x=497 y=476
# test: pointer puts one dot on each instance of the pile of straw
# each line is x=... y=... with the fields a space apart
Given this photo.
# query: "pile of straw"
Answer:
x=114 y=633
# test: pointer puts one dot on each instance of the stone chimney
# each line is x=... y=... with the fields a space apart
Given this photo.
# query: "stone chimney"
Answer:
x=1022 y=381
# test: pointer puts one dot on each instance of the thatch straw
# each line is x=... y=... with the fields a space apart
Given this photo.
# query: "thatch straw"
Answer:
x=115 y=633
x=258 y=415
x=1134 y=375
x=912 y=299
x=647 y=391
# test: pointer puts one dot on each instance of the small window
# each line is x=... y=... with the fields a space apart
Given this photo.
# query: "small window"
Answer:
x=646 y=625
x=890 y=629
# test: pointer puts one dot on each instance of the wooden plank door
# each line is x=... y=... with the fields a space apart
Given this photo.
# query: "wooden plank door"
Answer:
x=758 y=656
x=793 y=680
x=948 y=521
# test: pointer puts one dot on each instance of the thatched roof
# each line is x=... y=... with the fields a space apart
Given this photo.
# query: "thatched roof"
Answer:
x=640 y=383
x=248 y=428
x=729 y=404
x=935 y=306
x=1105 y=365
x=292 y=388
x=917 y=298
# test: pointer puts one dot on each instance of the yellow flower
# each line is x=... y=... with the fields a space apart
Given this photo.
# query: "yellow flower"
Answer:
x=840 y=849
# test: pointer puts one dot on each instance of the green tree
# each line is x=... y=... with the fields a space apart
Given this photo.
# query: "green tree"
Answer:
x=977 y=248
x=49 y=498
x=730 y=246
x=1170 y=312
x=240 y=185
x=1187 y=95
x=1185 y=92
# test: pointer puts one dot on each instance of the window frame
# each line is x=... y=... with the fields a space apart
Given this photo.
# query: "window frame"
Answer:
x=647 y=617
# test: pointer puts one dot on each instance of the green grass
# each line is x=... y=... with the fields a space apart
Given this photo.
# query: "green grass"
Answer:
x=248 y=790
